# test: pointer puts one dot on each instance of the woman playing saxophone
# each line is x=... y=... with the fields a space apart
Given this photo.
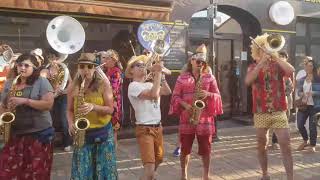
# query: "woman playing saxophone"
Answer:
x=93 y=100
x=29 y=151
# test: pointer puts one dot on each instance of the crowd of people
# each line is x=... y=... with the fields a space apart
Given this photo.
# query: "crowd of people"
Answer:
x=37 y=99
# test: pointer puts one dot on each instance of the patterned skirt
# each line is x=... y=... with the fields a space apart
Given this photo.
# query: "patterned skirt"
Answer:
x=95 y=161
x=25 y=158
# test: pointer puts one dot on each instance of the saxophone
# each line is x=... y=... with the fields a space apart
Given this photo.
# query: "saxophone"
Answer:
x=8 y=117
x=197 y=103
x=81 y=123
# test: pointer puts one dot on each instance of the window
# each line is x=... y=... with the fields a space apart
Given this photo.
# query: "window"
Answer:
x=315 y=30
x=301 y=29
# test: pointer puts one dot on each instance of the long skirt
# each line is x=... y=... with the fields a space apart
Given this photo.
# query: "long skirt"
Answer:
x=95 y=161
x=25 y=158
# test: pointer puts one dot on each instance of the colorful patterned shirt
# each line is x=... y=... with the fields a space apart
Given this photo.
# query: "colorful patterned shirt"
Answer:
x=268 y=90
x=114 y=76
x=184 y=91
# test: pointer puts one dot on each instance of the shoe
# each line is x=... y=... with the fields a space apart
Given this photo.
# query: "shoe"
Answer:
x=311 y=148
x=177 y=152
x=302 y=146
x=67 y=148
x=275 y=146
x=216 y=139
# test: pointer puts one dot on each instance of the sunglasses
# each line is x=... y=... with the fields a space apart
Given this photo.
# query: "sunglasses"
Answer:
x=89 y=66
x=199 y=62
x=24 y=65
x=139 y=65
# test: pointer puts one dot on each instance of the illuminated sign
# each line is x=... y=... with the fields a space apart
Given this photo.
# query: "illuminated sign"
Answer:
x=312 y=1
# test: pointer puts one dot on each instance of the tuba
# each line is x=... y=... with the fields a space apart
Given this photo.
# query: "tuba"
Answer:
x=197 y=103
x=8 y=117
x=67 y=36
x=81 y=123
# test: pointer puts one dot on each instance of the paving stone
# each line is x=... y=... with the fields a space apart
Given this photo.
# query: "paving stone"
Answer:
x=234 y=157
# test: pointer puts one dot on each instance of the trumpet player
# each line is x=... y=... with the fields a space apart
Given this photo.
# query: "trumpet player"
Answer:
x=145 y=99
x=192 y=85
x=96 y=158
x=28 y=153
x=266 y=77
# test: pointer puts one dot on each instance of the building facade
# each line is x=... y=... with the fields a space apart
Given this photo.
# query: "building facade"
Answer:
x=112 y=23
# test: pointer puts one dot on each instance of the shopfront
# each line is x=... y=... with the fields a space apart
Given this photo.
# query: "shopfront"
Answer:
x=111 y=24
x=252 y=18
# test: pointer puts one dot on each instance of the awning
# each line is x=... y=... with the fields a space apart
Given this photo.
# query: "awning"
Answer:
x=130 y=9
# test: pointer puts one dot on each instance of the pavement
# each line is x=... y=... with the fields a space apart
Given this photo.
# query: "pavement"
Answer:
x=234 y=157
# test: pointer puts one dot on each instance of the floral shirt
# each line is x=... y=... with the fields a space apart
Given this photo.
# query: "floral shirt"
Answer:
x=114 y=75
x=268 y=90
x=184 y=91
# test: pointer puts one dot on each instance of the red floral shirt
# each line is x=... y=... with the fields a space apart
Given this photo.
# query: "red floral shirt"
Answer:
x=184 y=91
x=268 y=90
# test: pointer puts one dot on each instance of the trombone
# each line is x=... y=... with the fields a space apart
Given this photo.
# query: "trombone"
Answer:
x=274 y=43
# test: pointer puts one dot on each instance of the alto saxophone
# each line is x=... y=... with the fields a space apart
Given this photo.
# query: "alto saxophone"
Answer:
x=8 y=117
x=81 y=123
x=197 y=103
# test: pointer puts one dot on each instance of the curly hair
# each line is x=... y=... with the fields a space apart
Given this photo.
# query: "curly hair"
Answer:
x=260 y=40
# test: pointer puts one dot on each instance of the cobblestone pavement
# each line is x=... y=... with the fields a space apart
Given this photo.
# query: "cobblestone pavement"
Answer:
x=233 y=158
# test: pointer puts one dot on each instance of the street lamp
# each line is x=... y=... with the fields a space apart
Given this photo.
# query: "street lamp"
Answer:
x=212 y=14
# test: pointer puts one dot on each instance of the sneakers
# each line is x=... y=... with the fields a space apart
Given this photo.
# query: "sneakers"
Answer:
x=311 y=148
x=177 y=152
x=67 y=149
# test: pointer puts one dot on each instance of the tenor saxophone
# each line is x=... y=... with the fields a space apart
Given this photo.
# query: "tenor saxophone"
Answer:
x=197 y=103
x=8 y=117
x=81 y=123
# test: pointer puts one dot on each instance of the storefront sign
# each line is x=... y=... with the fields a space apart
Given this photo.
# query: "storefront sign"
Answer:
x=177 y=56
x=312 y=1
x=150 y=31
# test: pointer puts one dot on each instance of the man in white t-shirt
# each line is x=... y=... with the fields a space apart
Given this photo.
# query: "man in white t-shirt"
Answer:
x=145 y=99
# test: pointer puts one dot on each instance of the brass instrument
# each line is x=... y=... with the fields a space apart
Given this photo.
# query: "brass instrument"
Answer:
x=8 y=117
x=159 y=48
x=154 y=37
x=66 y=36
x=197 y=104
x=81 y=123
x=274 y=43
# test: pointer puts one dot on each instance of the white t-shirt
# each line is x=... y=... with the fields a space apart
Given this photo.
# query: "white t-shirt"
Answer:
x=146 y=111
x=307 y=87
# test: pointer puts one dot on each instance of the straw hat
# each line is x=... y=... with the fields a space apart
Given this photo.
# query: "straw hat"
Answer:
x=88 y=58
x=132 y=61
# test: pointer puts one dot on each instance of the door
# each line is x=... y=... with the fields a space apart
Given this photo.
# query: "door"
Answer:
x=227 y=76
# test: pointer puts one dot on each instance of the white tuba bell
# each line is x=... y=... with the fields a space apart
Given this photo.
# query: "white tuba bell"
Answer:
x=65 y=34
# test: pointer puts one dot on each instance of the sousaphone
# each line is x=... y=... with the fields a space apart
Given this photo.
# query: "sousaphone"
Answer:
x=67 y=36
